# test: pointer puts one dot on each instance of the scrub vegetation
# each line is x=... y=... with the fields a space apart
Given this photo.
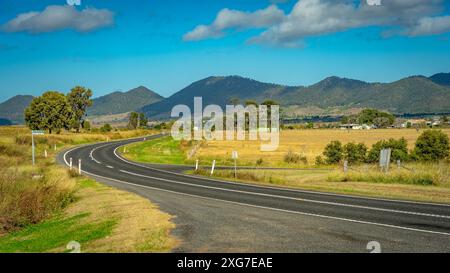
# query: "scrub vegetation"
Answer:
x=44 y=207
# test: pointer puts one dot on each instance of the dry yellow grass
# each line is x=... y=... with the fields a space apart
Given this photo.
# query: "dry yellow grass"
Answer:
x=136 y=224
x=140 y=226
x=330 y=181
x=309 y=143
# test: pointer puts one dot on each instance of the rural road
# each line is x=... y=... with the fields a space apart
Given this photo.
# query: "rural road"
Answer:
x=218 y=216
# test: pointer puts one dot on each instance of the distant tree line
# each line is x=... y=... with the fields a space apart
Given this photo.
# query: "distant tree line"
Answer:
x=137 y=120
x=432 y=145
x=371 y=117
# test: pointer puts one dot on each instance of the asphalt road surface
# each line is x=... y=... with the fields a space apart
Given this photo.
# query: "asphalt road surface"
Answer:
x=218 y=216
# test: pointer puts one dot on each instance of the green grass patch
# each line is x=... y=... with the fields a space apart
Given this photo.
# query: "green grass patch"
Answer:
x=423 y=179
x=162 y=150
x=56 y=233
x=87 y=183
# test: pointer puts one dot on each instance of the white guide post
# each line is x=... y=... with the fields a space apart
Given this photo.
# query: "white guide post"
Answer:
x=213 y=166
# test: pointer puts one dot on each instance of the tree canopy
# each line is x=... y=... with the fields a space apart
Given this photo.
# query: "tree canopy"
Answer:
x=79 y=99
x=51 y=112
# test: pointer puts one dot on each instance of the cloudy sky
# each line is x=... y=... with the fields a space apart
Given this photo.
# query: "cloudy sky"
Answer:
x=111 y=45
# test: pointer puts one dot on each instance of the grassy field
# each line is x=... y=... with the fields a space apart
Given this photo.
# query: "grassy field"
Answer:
x=44 y=207
x=414 y=181
x=427 y=183
x=162 y=150
x=309 y=143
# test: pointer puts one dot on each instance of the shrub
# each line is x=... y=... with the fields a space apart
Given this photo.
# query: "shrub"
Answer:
x=399 y=150
x=333 y=152
x=259 y=162
x=10 y=150
x=106 y=128
x=355 y=153
x=291 y=157
x=86 y=125
x=432 y=145
x=319 y=160
x=24 y=200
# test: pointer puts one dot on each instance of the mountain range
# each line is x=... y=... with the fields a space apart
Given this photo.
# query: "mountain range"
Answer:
x=122 y=102
x=11 y=111
x=415 y=94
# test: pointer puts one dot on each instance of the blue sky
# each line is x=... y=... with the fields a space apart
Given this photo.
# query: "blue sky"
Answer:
x=110 y=45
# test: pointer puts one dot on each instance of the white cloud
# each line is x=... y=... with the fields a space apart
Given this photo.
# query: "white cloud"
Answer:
x=320 y=17
x=430 y=26
x=227 y=19
x=54 y=18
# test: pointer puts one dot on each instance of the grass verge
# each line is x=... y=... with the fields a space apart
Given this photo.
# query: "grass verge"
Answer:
x=44 y=207
x=414 y=186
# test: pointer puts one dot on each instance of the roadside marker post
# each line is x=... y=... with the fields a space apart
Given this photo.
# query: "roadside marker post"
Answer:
x=234 y=155
x=34 y=133
x=213 y=166
x=196 y=165
x=54 y=147
x=70 y=163
x=345 y=166
x=385 y=159
x=79 y=166
x=45 y=153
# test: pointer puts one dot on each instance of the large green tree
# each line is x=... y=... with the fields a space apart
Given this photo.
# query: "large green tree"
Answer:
x=79 y=99
x=51 y=112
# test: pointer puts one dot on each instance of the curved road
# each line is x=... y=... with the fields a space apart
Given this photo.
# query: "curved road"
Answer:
x=217 y=216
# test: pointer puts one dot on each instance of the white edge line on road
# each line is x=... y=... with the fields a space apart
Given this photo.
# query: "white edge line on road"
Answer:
x=283 y=197
x=280 y=188
x=263 y=207
x=271 y=195
x=274 y=209
x=288 y=198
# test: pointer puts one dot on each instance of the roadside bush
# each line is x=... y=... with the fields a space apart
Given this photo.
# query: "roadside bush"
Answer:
x=26 y=140
x=355 y=153
x=333 y=152
x=319 y=161
x=10 y=150
x=399 y=150
x=432 y=145
x=291 y=157
x=106 y=128
x=86 y=125
x=26 y=200
x=259 y=162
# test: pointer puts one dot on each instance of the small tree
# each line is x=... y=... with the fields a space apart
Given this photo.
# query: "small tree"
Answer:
x=432 y=145
x=399 y=150
x=79 y=99
x=143 y=120
x=51 y=111
x=355 y=153
x=333 y=152
x=133 y=121
x=86 y=125
x=106 y=128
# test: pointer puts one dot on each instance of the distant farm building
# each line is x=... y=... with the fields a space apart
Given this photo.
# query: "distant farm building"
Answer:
x=354 y=126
